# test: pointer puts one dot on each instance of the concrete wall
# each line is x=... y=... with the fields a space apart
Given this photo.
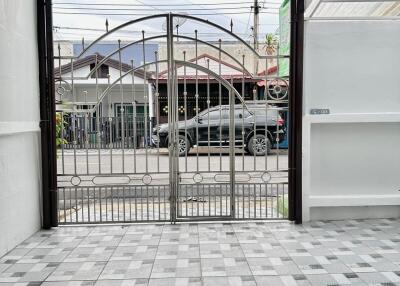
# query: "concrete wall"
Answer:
x=19 y=124
x=351 y=156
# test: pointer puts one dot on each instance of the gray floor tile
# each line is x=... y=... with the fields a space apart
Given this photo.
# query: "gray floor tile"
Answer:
x=140 y=239
x=14 y=256
x=127 y=282
x=82 y=254
x=174 y=251
x=353 y=252
x=140 y=252
x=284 y=280
x=191 y=281
x=174 y=268
x=38 y=255
x=374 y=278
x=69 y=283
x=230 y=281
x=127 y=269
x=225 y=267
x=220 y=250
x=332 y=279
x=27 y=272
x=77 y=271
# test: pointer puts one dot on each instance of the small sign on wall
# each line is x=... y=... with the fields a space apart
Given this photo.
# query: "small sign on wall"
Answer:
x=318 y=111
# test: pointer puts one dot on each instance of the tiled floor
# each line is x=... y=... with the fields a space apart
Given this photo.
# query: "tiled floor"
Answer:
x=362 y=252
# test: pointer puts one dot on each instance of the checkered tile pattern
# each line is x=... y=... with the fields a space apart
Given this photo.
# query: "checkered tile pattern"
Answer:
x=356 y=252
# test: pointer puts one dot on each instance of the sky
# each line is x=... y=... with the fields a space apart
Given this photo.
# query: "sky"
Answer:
x=74 y=19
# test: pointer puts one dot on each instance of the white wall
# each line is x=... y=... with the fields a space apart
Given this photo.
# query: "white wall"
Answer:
x=89 y=85
x=351 y=158
x=19 y=124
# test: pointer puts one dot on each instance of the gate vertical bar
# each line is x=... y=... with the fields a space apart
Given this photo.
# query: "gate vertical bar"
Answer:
x=134 y=117
x=220 y=103
x=98 y=132
x=197 y=102
x=185 y=107
x=232 y=147
x=157 y=108
x=171 y=119
x=122 y=107
x=146 y=97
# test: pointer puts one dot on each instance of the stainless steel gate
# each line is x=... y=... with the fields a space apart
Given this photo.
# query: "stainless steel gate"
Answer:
x=218 y=156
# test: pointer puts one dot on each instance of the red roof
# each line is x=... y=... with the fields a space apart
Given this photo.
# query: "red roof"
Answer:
x=271 y=70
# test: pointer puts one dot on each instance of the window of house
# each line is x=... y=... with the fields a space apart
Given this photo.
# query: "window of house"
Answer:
x=216 y=114
x=128 y=109
x=102 y=72
x=239 y=113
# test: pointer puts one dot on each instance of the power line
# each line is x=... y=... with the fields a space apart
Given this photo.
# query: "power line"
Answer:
x=169 y=5
x=57 y=28
x=225 y=16
x=248 y=20
x=150 y=33
x=133 y=14
x=147 y=9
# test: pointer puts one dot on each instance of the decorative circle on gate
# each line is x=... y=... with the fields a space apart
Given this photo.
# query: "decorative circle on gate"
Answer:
x=62 y=89
x=147 y=179
x=75 y=180
x=266 y=177
x=278 y=89
x=197 y=178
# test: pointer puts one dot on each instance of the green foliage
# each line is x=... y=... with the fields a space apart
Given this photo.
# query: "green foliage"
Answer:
x=283 y=206
x=271 y=43
x=59 y=127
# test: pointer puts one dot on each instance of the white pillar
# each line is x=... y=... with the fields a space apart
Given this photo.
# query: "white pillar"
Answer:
x=20 y=164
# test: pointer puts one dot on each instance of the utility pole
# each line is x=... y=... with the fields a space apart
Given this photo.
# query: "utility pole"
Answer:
x=256 y=9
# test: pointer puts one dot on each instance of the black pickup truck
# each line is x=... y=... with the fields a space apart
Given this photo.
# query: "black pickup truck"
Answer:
x=254 y=124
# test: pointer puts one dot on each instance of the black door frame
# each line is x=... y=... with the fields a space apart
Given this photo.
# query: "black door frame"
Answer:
x=48 y=124
x=47 y=114
x=296 y=109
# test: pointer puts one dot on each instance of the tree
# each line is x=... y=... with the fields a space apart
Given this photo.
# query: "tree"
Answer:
x=271 y=43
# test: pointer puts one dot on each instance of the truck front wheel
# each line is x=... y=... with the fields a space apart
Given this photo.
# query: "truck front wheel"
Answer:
x=259 y=145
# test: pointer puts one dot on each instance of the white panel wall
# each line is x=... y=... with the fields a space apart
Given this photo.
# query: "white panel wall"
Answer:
x=351 y=158
x=19 y=123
